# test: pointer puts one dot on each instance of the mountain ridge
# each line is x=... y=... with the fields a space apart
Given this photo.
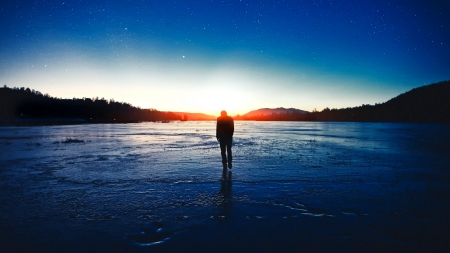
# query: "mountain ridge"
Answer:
x=267 y=111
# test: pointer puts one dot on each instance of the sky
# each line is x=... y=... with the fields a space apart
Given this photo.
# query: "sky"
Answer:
x=237 y=55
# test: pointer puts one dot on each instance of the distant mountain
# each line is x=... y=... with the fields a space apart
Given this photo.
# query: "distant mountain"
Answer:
x=269 y=111
x=275 y=114
x=195 y=116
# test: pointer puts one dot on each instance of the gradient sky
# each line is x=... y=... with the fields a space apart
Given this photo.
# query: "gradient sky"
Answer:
x=205 y=56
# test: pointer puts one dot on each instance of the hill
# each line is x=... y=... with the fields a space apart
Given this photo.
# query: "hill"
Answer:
x=269 y=111
x=426 y=104
x=275 y=114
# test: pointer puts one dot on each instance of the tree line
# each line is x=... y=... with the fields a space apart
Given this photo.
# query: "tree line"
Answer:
x=25 y=103
x=426 y=104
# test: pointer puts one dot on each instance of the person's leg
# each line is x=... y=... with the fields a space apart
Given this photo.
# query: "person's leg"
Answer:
x=223 y=145
x=230 y=156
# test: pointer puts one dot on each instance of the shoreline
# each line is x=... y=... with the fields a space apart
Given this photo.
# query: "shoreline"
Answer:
x=79 y=121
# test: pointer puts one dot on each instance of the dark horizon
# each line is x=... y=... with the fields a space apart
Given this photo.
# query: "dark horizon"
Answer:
x=426 y=104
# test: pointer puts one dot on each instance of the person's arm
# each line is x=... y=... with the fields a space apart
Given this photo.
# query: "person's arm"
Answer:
x=217 y=129
x=232 y=127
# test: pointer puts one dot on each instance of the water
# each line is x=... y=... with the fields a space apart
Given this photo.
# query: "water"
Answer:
x=294 y=186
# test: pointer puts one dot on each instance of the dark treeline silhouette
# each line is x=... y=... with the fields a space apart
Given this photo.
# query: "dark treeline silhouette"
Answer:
x=426 y=104
x=23 y=103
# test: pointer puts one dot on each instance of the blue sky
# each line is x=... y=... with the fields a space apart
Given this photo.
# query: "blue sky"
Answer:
x=205 y=56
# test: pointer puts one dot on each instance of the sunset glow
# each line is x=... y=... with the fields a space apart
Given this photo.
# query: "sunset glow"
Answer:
x=238 y=56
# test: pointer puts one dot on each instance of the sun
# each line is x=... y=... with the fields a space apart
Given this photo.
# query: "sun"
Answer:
x=213 y=100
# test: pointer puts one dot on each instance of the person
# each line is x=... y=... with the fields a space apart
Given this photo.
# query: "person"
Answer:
x=224 y=134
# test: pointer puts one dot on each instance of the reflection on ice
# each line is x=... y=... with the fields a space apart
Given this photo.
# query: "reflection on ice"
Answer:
x=356 y=186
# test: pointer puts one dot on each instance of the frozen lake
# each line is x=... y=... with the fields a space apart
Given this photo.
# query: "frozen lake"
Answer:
x=294 y=187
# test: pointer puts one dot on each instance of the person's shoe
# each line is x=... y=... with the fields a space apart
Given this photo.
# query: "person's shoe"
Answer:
x=224 y=166
x=230 y=165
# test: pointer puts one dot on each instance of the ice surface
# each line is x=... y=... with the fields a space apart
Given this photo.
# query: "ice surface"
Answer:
x=159 y=187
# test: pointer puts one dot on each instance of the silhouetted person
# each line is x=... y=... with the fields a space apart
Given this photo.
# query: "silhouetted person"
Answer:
x=224 y=134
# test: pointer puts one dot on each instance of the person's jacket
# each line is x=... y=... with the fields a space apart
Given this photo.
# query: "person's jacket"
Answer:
x=225 y=127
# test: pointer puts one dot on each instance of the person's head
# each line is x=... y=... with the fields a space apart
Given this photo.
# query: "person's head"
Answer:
x=223 y=113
